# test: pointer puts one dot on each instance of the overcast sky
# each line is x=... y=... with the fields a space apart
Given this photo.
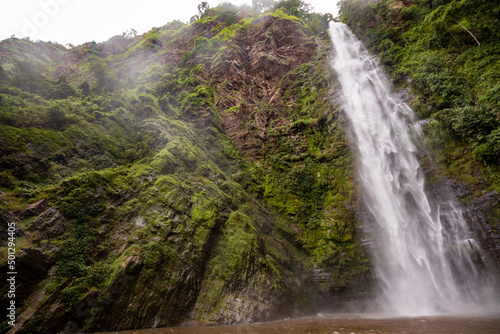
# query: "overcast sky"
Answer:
x=80 y=21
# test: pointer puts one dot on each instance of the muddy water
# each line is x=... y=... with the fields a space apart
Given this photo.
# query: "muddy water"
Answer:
x=349 y=324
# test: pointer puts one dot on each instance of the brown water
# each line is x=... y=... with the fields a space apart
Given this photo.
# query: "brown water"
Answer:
x=348 y=324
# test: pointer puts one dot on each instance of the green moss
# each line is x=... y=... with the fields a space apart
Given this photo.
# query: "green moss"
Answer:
x=238 y=250
x=303 y=123
x=51 y=287
x=177 y=153
x=233 y=110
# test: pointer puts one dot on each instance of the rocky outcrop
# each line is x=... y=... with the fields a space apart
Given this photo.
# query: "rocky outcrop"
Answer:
x=31 y=266
x=485 y=223
x=248 y=80
x=34 y=209
x=6 y=220
x=50 y=224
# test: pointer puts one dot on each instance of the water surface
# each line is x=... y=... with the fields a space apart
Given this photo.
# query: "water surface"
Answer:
x=349 y=324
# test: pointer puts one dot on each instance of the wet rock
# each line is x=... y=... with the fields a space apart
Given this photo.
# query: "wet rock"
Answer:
x=7 y=218
x=58 y=319
x=319 y=275
x=50 y=223
x=139 y=222
x=238 y=310
x=32 y=266
x=478 y=212
x=481 y=213
x=35 y=209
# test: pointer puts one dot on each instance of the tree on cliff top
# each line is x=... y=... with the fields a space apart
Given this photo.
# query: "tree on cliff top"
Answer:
x=262 y=5
x=298 y=8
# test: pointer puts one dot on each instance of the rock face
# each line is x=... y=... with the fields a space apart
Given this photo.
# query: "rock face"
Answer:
x=197 y=174
x=479 y=213
x=482 y=217
x=35 y=209
x=251 y=77
x=7 y=218
x=32 y=266
x=50 y=223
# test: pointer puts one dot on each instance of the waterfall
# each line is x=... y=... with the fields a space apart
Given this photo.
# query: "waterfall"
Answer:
x=426 y=259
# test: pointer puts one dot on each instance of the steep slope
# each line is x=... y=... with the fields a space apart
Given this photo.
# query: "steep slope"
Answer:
x=197 y=173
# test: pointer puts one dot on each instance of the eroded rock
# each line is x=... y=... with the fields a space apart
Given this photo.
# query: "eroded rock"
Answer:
x=6 y=220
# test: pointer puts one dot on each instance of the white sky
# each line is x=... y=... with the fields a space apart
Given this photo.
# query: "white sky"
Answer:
x=80 y=21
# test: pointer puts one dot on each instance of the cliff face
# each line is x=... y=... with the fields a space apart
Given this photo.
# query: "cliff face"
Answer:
x=196 y=173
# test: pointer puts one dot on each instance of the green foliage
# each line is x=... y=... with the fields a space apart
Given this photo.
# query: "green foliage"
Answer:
x=202 y=45
x=6 y=179
x=29 y=77
x=96 y=277
x=73 y=259
x=443 y=87
x=51 y=287
x=103 y=78
x=490 y=149
x=27 y=189
x=297 y=8
x=240 y=245
x=473 y=124
x=151 y=40
x=74 y=196
x=85 y=88
x=3 y=75
x=56 y=117
x=282 y=14
x=317 y=23
x=262 y=5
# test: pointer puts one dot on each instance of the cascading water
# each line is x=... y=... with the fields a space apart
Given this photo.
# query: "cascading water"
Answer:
x=426 y=260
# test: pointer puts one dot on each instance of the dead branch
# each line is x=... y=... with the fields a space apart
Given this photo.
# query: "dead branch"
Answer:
x=460 y=24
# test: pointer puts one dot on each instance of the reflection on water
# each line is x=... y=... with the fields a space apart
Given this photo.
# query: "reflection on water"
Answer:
x=349 y=324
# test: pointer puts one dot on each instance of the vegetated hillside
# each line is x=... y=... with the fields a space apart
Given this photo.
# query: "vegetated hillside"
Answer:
x=446 y=55
x=196 y=173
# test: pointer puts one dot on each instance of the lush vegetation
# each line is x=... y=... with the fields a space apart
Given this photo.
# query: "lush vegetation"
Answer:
x=128 y=140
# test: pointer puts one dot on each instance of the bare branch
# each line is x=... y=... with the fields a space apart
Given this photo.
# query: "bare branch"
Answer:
x=460 y=24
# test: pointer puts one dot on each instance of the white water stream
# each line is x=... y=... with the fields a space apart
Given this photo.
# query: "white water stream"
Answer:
x=426 y=260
